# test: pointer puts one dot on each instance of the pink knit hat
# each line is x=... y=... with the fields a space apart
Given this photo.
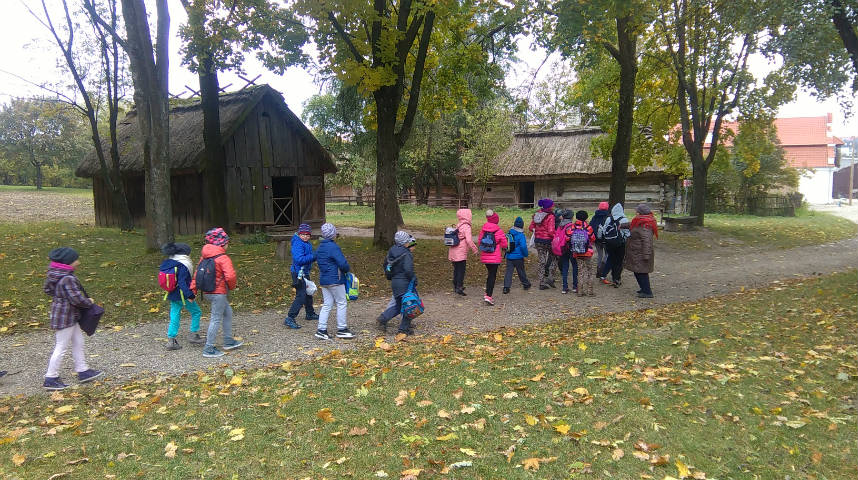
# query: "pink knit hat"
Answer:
x=604 y=206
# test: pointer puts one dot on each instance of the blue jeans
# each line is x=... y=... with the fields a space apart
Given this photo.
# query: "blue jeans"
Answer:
x=221 y=314
x=301 y=298
x=176 y=315
x=643 y=282
x=394 y=308
x=565 y=260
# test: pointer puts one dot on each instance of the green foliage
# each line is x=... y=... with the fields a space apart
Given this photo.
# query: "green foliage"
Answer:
x=488 y=134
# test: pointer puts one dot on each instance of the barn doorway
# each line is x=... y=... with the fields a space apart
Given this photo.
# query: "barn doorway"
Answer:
x=284 y=198
x=525 y=194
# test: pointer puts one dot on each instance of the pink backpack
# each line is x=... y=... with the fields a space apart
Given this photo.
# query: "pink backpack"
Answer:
x=560 y=242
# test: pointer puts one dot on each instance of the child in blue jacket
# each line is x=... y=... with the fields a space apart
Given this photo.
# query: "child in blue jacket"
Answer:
x=515 y=257
x=178 y=261
x=302 y=260
x=332 y=270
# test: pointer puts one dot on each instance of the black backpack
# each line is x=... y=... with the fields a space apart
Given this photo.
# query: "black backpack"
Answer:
x=609 y=233
x=487 y=243
x=206 y=277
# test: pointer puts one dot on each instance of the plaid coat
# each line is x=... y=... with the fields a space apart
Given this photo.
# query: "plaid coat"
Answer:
x=69 y=297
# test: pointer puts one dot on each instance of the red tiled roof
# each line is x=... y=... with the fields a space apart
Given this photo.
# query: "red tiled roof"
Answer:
x=805 y=131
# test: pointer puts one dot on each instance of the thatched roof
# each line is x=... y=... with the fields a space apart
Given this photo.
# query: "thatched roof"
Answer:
x=186 y=132
x=553 y=153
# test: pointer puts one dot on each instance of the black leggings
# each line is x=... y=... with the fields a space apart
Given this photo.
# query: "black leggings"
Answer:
x=459 y=275
x=492 y=269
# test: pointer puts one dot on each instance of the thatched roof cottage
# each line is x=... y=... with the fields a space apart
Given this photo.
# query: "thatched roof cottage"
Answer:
x=559 y=164
x=275 y=166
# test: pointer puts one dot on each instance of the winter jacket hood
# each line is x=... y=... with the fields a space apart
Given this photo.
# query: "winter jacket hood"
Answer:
x=183 y=278
x=500 y=243
x=543 y=225
x=302 y=255
x=466 y=237
x=333 y=265
x=225 y=277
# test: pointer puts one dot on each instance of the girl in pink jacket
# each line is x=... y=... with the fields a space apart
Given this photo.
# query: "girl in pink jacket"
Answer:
x=492 y=240
x=458 y=254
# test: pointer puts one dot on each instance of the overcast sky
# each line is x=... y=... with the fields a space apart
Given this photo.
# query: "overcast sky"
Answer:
x=28 y=52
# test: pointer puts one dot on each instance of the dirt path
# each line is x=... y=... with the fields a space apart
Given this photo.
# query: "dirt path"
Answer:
x=139 y=351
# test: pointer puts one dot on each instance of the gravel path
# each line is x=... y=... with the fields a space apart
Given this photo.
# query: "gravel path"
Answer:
x=139 y=351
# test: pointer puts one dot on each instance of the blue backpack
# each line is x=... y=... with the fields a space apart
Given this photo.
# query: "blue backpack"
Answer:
x=352 y=286
x=412 y=306
x=580 y=240
x=488 y=243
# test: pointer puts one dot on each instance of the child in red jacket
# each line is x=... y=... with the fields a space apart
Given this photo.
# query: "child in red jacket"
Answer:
x=581 y=243
x=492 y=239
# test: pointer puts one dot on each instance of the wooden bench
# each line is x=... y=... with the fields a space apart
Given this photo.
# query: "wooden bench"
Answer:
x=251 y=226
x=674 y=224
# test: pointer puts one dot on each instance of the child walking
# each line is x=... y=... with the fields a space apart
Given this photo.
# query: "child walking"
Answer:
x=302 y=260
x=515 y=256
x=492 y=240
x=542 y=226
x=458 y=254
x=581 y=242
x=217 y=242
x=178 y=262
x=332 y=270
x=401 y=275
x=68 y=298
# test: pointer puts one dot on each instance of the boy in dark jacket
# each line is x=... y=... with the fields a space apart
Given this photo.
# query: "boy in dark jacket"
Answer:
x=332 y=269
x=302 y=260
x=515 y=257
x=400 y=262
x=69 y=298
x=602 y=214
x=178 y=262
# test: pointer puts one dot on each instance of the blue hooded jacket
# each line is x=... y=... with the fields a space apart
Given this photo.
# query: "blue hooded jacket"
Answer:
x=332 y=263
x=302 y=255
x=520 y=250
x=183 y=280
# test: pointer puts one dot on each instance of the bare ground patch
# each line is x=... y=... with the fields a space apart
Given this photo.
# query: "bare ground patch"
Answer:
x=33 y=206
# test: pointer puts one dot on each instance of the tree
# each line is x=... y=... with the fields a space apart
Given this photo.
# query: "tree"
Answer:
x=149 y=70
x=818 y=40
x=709 y=43
x=108 y=73
x=39 y=133
x=615 y=26
x=217 y=36
x=489 y=133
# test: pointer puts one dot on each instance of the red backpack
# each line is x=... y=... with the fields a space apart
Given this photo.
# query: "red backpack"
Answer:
x=168 y=279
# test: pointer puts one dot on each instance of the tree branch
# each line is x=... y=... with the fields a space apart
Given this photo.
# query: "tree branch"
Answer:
x=345 y=37
x=90 y=7
x=416 y=78
x=846 y=31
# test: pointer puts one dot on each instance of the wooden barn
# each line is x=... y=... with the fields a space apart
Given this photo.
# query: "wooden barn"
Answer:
x=559 y=164
x=275 y=167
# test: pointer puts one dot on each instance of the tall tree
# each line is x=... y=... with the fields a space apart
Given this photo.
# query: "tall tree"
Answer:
x=109 y=73
x=37 y=132
x=217 y=36
x=149 y=72
x=709 y=43
x=615 y=26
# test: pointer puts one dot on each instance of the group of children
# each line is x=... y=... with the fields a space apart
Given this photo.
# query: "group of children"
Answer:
x=558 y=239
x=561 y=238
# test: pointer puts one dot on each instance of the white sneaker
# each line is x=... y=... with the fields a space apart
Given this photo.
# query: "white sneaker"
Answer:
x=322 y=335
x=345 y=333
x=489 y=300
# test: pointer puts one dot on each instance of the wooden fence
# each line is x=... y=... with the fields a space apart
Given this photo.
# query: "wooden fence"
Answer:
x=763 y=205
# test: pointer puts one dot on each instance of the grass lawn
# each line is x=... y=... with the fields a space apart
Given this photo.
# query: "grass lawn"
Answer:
x=116 y=271
x=759 y=384
x=430 y=220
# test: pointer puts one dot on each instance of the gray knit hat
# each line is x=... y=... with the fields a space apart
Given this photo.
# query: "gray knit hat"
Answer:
x=643 y=209
x=403 y=238
x=64 y=255
x=329 y=231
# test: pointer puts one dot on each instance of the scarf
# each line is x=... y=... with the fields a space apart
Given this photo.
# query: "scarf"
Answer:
x=646 y=221
x=186 y=261
x=61 y=266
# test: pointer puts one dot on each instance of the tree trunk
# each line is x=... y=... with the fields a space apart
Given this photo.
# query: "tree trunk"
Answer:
x=698 y=197
x=215 y=164
x=626 y=57
x=388 y=216
x=120 y=199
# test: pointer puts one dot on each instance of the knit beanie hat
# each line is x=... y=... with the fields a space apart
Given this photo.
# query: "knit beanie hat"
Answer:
x=581 y=215
x=170 y=249
x=304 y=228
x=217 y=236
x=568 y=214
x=604 y=206
x=492 y=216
x=545 y=203
x=403 y=238
x=643 y=209
x=329 y=231
x=519 y=223
x=64 y=255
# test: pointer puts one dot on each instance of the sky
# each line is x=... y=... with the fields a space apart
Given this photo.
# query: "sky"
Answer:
x=29 y=52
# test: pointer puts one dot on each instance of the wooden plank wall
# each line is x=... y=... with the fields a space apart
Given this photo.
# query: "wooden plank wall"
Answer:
x=190 y=214
x=106 y=214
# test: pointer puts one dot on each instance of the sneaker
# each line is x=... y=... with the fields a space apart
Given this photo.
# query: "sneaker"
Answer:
x=551 y=284
x=3 y=373
x=505 y=291
x=54 y=383
x=89 y=375
x=381 y=323
x=291 y=323
x=322 y=335
x=574 y=290
x=212 y=352
x=173 y=344
x=526 y=287
x=564 y=291
x=345 y=333
x=194 y=338
x=544 y=287
x=312 y=316
x=617 y=283
x=489 y=300
x=644 y=295
x=232 y=344
x=607 y=282
x=461 y=292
